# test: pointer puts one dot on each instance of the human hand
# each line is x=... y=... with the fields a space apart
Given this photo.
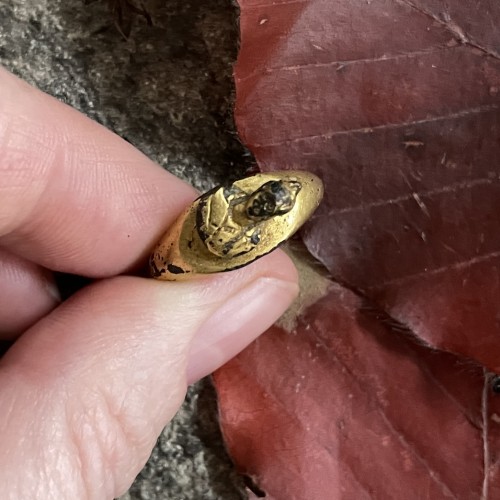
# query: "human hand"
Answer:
x=89 y=383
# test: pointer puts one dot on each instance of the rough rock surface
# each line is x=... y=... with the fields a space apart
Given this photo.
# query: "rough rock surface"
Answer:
x=168 y=90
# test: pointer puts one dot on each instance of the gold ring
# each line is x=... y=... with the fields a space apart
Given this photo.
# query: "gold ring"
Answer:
x=230 y=227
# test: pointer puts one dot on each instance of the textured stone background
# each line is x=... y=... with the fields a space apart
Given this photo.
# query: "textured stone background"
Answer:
x=167 y=89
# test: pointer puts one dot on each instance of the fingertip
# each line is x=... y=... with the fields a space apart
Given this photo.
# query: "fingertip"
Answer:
x=281 y=266
x=237 y=323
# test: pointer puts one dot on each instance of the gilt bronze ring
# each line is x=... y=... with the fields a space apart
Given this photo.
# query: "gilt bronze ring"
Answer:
x=230 y=227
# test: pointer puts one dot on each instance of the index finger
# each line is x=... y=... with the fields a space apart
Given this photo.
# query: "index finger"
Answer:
x=74 y=197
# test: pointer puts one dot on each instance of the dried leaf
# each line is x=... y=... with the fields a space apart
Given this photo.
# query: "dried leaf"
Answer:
x=396 y=105
x=313 y=284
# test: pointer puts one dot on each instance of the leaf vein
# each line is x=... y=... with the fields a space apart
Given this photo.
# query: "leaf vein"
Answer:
x=455 y=29
x=368 y=130
x=414 y=195
x=464 y=264
x=348 y=62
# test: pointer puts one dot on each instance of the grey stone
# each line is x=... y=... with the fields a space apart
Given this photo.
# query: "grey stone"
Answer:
x=168 y=90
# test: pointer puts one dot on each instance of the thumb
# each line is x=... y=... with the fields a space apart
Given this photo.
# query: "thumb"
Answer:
x=85 y=392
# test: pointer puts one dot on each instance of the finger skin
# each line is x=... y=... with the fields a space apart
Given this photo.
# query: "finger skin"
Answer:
x=27 y=293
x=75 y=197
x=85 y=392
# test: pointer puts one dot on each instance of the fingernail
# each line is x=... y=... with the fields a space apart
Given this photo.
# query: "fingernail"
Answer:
x=238 y=322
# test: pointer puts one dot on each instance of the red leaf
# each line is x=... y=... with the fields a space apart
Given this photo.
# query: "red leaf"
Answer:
x=396 y=105
x=356 y=410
